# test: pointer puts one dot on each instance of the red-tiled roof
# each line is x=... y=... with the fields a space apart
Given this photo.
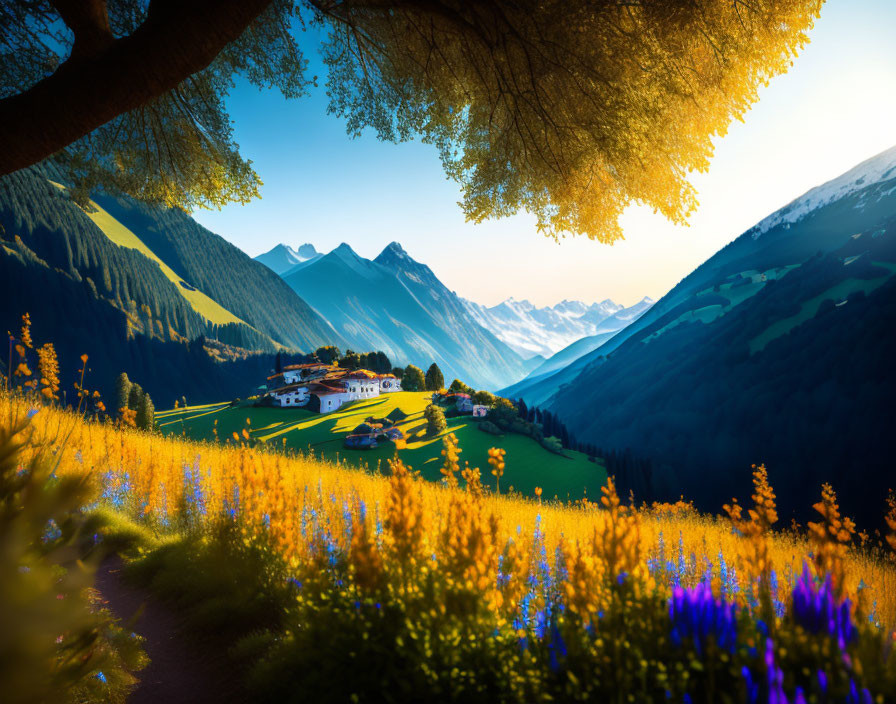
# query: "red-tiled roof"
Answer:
x=288 y=388
x=324 y=390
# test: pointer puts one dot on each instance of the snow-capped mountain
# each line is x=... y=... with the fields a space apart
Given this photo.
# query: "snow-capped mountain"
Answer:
x=877 y=169
x=282 y=258
x=544 y=331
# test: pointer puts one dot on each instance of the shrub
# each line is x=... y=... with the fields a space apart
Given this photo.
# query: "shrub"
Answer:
x=56 y=643
x=552 y=444
x=487 y=426
x=484 y=398
x=435 y=419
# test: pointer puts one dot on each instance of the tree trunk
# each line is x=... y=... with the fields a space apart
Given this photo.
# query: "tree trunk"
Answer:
x=177 y=40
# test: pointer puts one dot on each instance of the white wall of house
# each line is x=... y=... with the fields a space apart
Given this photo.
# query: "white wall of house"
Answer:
x=332 y=402
x=361 y=388
x=295 y=398
x=388 y=386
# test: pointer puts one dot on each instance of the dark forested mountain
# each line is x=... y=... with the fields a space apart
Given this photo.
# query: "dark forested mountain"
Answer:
x=131 y=285
x=399 y=306
x=779 y=349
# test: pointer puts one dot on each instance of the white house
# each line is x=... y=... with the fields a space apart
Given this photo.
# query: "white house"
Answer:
x=324 y=389
x=325 y=399
x=291 y=396
x=361 y=385
x=389 y=383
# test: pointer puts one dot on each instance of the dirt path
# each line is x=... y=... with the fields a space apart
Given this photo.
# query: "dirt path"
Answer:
x=180 y=671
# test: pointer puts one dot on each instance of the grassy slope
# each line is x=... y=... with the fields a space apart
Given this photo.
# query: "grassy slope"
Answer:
x=810 y=308
x=528 y=464
x=124 y=237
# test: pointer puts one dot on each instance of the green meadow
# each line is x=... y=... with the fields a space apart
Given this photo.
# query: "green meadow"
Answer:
x=569 y=476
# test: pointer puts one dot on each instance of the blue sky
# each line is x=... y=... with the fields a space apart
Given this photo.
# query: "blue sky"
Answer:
x=835 y=108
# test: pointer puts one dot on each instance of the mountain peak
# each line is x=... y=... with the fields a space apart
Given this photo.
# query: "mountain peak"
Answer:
x=394 y=248
x=345 y=250
x=281 y=258
x=395 y=257
x=877 y=169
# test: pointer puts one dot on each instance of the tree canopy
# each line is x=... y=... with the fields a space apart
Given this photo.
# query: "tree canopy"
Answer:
x=434 y=378
x=569 y=109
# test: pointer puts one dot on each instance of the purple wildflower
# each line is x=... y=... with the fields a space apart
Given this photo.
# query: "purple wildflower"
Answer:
x=696 y=614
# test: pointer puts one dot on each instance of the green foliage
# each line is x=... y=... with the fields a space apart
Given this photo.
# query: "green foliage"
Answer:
x=327 y=354
x=351 y=360
x=70 y=271
x=484 y=398
x=135 y=396
x=146 y=413
x=457 y=386
x=552 y=444
x=178 y=148
x=434 y=378
x=487 y=426
x=122 y=392
x=412 y=379
x=226 y=584
x=435 y=419
x=56 y=644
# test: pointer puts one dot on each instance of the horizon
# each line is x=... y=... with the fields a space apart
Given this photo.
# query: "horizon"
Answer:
x=830 y=112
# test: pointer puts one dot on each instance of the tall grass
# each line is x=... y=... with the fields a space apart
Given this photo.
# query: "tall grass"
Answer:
x=603 y=596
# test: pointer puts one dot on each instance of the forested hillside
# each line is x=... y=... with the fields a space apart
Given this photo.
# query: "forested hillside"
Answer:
x=131 y=296
x=788 y=365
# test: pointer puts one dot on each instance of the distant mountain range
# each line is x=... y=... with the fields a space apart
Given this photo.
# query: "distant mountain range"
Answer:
x=282 y=258
x=545 y=331
x=396 y=304
x=778 y=349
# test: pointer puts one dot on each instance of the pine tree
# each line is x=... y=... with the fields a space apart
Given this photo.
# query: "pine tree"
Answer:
x=146 y=413
x=434 y=379
x=524 y=410
x=136 y=393
x=278 y=363
x=122 y=391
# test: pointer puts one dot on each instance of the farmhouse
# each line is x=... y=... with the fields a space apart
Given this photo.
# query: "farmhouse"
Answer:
x=324 y=388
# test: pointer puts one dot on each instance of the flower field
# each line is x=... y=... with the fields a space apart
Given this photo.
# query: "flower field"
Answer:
x=448 y=592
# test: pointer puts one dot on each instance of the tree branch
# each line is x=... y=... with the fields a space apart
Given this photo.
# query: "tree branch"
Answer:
x=177 y=40
x=89 y=21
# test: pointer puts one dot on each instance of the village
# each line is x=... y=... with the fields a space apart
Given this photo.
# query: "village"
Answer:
x=324 y=388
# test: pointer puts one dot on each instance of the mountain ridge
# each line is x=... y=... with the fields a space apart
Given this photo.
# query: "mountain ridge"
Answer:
x=762 y=354
x=396 y=304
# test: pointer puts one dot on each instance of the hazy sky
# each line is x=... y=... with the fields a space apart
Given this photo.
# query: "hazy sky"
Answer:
x=835 y=108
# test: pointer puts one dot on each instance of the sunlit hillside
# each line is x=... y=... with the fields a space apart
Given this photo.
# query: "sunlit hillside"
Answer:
x=567 y=476
x=153 y=479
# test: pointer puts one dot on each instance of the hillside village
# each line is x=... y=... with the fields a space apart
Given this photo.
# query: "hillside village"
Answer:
x=324 y=388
